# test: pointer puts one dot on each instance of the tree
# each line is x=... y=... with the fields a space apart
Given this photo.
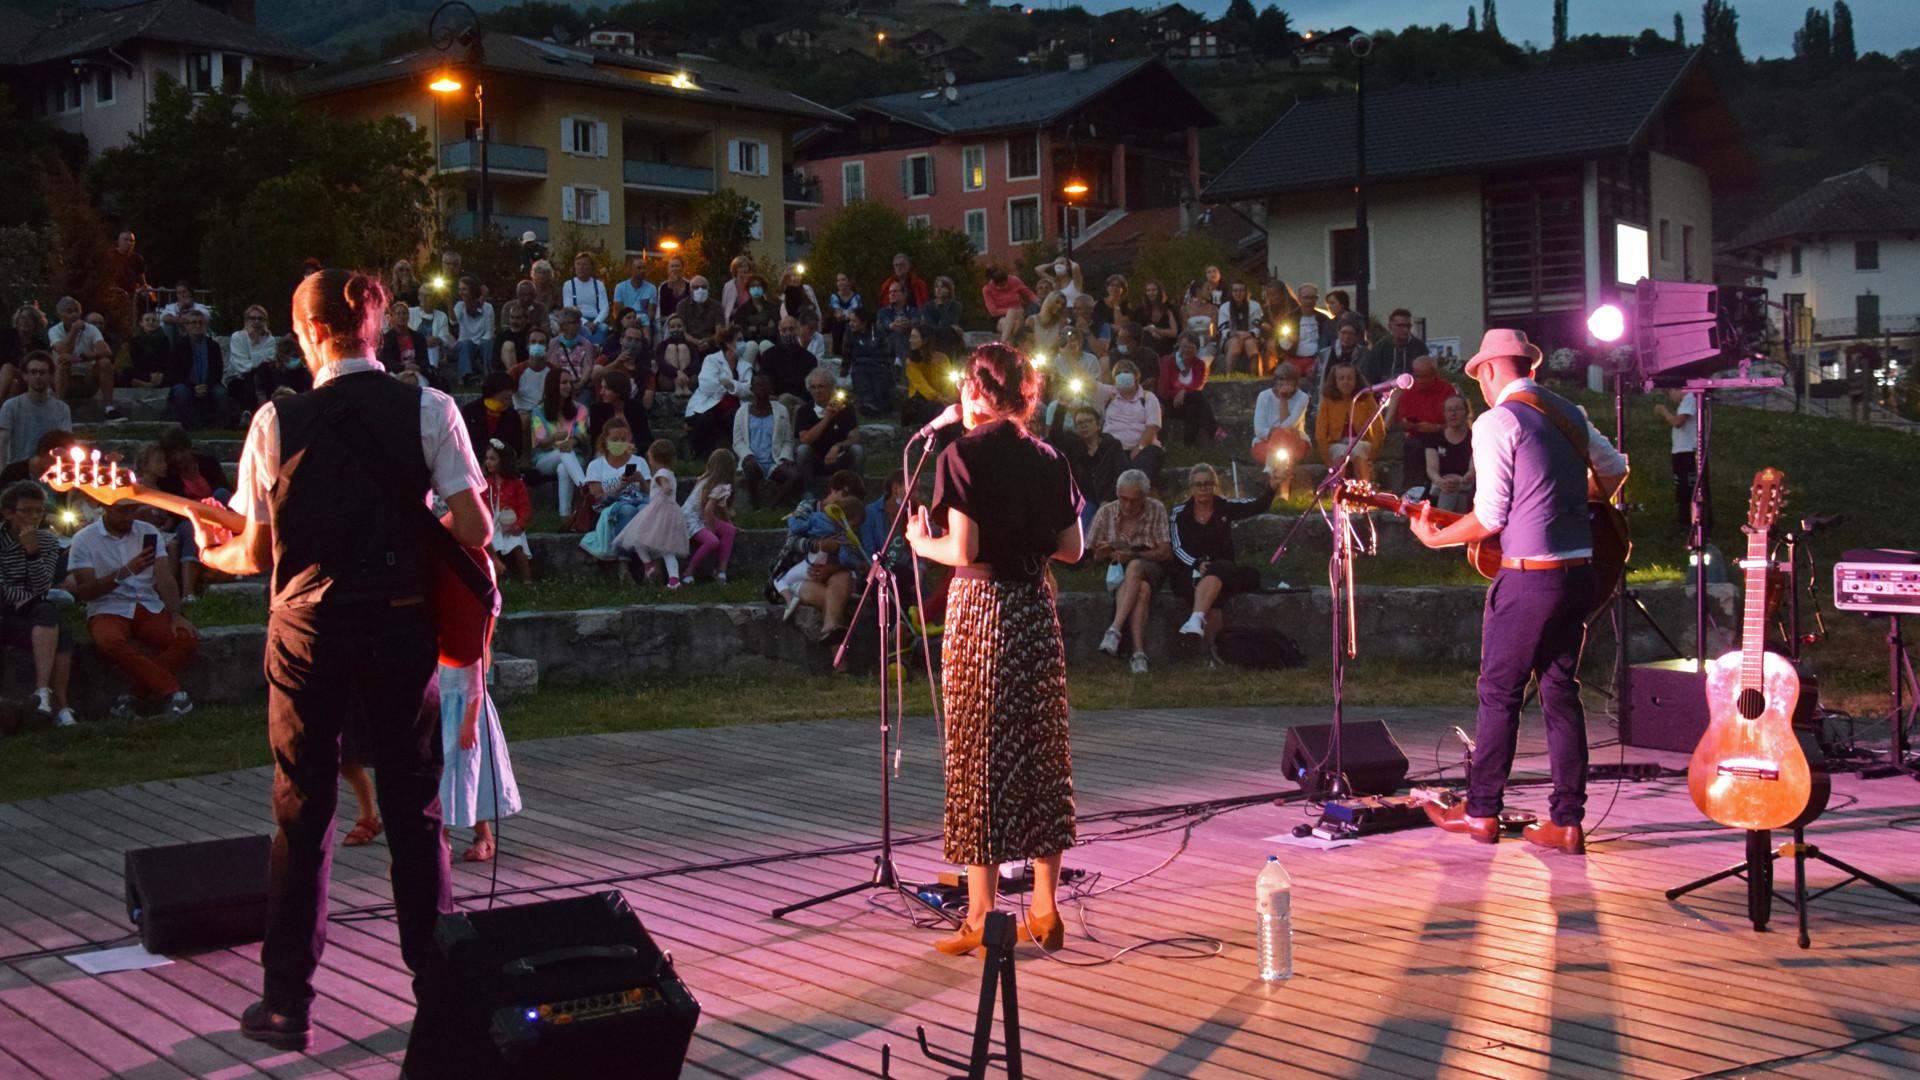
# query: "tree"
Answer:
x=1175 y=260
x=82 y=256
x=1843 y=47
x=1490 y=17
x=1473 y=20
x=26 y=140
x=1272 y=32
x=1679 y=30
x=722 y=228
x=1720 y=33
x=861 y=240
x=1559 y=23
x=1813 y=42
x=1241 y=11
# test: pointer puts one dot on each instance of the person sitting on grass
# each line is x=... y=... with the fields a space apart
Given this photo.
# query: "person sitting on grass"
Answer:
x=120 y=567
x=512 y=509
x=819 y=522
x=1132 y=535
x=1205 y=573
x=657 y=533
x=29 y=558
x=708 y=512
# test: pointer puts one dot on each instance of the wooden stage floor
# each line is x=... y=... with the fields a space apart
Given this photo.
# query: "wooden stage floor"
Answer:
x=1417 y=954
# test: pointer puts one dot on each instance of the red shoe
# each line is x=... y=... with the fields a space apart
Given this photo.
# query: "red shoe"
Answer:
x=1567 y=839
x=1454 y=819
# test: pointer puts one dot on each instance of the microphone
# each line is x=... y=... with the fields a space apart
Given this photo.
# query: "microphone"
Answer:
x=1402 y=381
x=947 y=418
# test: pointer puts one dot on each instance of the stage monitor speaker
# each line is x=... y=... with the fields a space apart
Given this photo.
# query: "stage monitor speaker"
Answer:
x=1372 y=761
x=1668 y=707
x=199 y=896
x=564 y=988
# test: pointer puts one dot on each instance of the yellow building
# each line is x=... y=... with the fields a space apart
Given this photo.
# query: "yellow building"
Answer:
x=619 y=145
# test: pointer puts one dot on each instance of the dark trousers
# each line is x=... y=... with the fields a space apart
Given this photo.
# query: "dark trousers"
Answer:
x=1195 y=414
x=366 y=671
x=1533 y=625
x=1684 y=466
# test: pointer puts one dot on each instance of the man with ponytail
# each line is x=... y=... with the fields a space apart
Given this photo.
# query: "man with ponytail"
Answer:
x=323 y=483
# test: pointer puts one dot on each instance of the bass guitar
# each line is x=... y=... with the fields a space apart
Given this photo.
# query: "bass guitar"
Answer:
x=1753 y=769
x=462 y=591
x=1612 y=541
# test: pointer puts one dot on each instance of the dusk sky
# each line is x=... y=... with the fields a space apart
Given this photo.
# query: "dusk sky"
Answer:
x=1766 y=26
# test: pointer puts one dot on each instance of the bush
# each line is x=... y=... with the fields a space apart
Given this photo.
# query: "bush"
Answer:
x=23 y=265
x=722 y=228
x=1173 y=261
x=862 y=239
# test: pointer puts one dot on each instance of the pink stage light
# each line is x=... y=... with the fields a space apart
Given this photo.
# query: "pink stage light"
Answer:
x=1607 y=323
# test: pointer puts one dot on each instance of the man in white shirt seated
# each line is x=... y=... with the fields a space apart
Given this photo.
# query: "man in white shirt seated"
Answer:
x=585 y=291
x=77 y=341
x=183 y=303
x=121 y=567
x=1132 y=415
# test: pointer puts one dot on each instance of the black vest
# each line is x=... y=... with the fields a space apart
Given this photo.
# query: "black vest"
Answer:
x=341 y=538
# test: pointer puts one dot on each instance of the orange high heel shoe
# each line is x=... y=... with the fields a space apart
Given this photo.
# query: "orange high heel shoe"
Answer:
x=964 y=941
x=1046 y=931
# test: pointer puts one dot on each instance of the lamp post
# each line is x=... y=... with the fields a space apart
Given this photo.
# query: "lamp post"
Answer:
x=463 y=28
x=1360 y=45
x=1074 y=190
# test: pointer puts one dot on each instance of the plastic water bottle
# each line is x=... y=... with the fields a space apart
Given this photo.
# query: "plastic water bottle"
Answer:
x=1273 y=913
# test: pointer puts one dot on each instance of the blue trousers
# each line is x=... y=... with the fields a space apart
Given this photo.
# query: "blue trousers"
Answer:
x=1534 y=624
x=193 y=411
x=873 y=389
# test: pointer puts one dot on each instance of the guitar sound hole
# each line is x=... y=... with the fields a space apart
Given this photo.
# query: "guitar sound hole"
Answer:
x=1752 y=703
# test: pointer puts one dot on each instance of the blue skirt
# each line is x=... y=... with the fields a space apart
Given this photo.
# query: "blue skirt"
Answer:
x=468 y=777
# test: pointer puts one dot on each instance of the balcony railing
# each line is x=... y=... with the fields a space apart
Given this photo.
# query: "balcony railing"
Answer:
x=1852 y=327
x=651 y=174
x=503 y=159
x=801 y=190
x=465 y=225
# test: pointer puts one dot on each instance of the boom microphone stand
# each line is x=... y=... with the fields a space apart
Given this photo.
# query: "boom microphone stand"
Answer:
x=881 y=589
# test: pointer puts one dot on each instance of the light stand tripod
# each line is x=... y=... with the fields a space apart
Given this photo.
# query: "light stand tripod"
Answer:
x=880 y=589
x=1900 y=761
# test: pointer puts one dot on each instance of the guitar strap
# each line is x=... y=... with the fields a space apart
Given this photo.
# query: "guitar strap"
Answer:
x=1575 y=433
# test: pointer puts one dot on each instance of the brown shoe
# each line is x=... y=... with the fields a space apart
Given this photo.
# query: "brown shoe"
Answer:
x=1046 y=931
x=963 y=941
x=1570 y=839
x=1454 y=819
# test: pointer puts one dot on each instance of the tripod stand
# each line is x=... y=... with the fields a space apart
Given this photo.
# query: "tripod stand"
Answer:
x=880 y=589
x=1757 y=871
x=1900 y=761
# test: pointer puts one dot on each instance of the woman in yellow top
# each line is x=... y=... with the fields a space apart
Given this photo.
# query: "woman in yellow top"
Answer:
x=929 y=380
x=1338 y=396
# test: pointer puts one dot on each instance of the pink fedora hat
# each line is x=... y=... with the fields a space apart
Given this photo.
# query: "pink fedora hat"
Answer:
x=1498 y=343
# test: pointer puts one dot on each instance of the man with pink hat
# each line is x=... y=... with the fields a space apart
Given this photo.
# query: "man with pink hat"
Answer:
x=1533 y=451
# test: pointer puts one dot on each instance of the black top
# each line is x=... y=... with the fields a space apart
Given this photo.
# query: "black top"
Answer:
x=1019 y=492
x=1195 y=543
x=837 y=431
x=789 y=365
x=1094 y=472
x=1455 y=458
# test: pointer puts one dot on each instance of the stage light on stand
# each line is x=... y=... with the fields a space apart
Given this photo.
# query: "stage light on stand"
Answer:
x=1607 y=323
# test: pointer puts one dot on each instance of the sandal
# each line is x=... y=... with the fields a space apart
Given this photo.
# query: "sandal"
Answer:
x=481 y=851
x=363 y=832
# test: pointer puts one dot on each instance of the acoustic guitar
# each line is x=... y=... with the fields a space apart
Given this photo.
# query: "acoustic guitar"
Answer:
x=1612 y=541
x=1753 y=769
x=462 y=591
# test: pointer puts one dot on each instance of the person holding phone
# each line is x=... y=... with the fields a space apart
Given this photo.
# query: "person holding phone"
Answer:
x=113 y=565
x=825 y=433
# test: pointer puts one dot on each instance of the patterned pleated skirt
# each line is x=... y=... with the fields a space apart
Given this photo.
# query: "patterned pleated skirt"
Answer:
x=1009 y=772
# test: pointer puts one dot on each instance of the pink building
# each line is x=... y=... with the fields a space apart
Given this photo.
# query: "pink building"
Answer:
x=989 y=159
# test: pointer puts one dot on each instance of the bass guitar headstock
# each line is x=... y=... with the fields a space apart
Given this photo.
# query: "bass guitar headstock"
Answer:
x=100 y=479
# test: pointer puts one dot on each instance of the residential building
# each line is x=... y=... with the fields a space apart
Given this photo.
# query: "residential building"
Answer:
x=923 y=43
x=94 y=71
x=1208 y=43
x=615 y=145
x=1319 y=48
x=989 y=159
x=1520 y=201
x=1170 y=25
x=1844 y=259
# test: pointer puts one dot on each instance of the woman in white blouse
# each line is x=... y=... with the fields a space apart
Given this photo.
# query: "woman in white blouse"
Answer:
x=1280 y=427
x=430 y=318
x=725 y=376
x=250 y=348
x=475 y=319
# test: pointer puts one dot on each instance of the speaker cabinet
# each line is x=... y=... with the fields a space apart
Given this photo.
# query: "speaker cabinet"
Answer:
x=1371 y=760
x=199 y=896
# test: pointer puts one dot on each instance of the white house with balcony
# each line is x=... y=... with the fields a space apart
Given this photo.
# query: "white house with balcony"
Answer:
x=93 y=71
x=1844 y=258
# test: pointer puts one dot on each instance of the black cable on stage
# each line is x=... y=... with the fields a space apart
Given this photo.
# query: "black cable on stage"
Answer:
x=1744 y=1067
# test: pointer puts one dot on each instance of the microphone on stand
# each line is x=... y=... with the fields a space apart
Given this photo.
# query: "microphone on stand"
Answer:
x=1402 y=381
x=951 y=416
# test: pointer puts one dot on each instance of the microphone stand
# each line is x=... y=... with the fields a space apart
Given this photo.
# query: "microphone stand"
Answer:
x=1345 y=621
x=880 y=587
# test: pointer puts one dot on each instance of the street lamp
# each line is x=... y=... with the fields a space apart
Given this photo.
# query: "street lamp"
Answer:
x=1074 y=190
x=462 y=28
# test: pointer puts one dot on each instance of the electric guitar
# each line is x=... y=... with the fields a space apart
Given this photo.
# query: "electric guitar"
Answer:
x=1612 y=541
x=1753 y=769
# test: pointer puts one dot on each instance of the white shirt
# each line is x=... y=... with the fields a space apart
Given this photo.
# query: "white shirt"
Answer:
x=531 y=389
x=589 y=296
x=1254 y=315
x=717 y=382
x=1495 y=433
x=1126 y=419
x=244 y=354
x=1686 y=437
x=1268 y=414
x=818 y=346
x=176 y=311
x=475 y=328
x=434 y=330
x=84 y=339
x=1309 y=343
x=443 y=444
x=96 y=549
x=608 y=476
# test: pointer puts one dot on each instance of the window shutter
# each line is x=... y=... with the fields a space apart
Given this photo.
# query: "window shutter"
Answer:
x=566 y=134
x=931 y=172
x=733 y=155
x=766 y=160
x=600 y=138
x=906 y=176
x=566 y=203
x=604 y=203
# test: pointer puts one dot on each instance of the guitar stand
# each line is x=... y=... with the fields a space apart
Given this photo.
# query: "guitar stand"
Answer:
x=1757 y=871
x=997 y=973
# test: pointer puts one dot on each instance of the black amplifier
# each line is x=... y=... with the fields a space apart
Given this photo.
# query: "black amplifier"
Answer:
x=572 y=987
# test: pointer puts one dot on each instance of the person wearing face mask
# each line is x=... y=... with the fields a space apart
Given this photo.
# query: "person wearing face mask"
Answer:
x=491 y=415
x=1065 y=275
x=757 y=317
x=570 y=349
x=701 y=315
x=1132 y=415
x=739 y=278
